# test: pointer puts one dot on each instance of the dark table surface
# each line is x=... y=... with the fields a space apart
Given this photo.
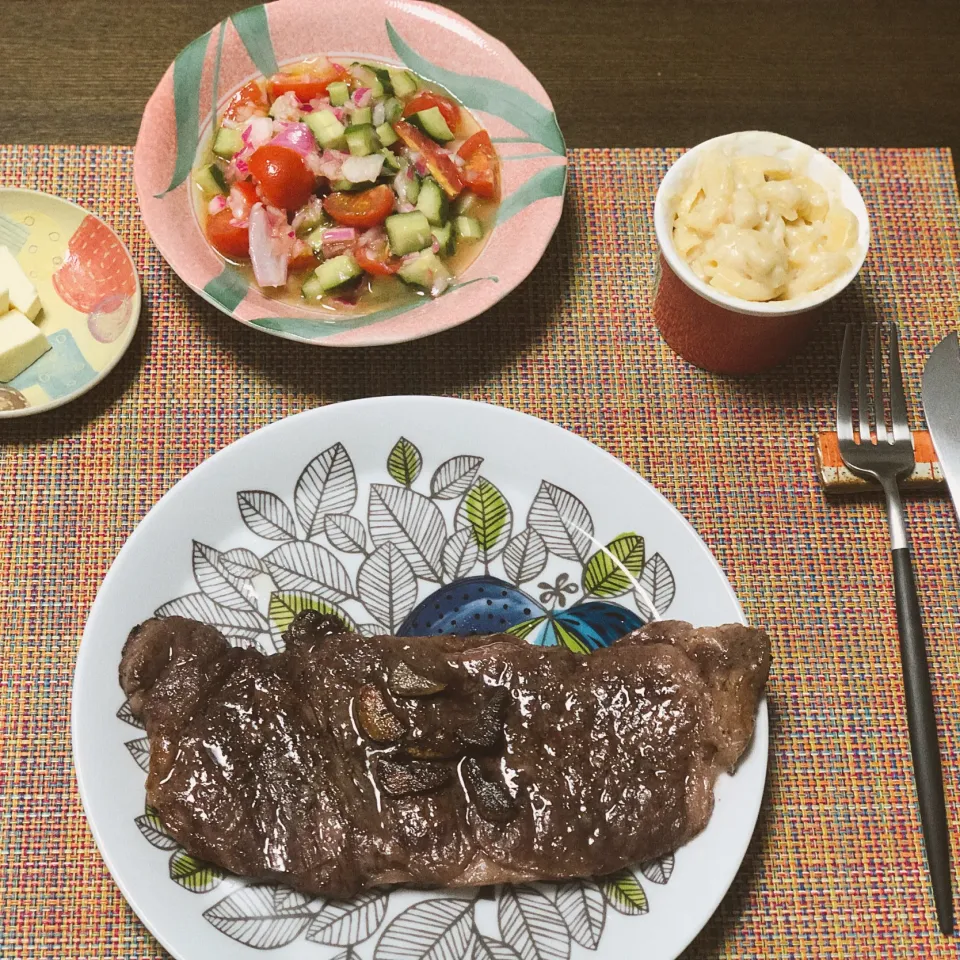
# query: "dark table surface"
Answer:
x=625 y=73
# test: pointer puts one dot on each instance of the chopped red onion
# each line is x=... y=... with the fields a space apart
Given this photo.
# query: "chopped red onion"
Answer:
x=379 y=113
x=296 y=136
x=315 y=164
x=372 y=237
x=339 y=113
x=268 y=259
x=362 y=169
x=239 y=205
x=435 y=246
x=404 y=206
x=286 y=107
x=331 y=163
x=217 y=204
x=362 y=96
x=440 y=283
x=338 y=234
x=422 y=167
x=338 y=240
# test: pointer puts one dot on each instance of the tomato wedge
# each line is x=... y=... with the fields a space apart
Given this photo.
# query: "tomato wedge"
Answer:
x=226 y=236
x=444 y=170
x=365 y=209
x=481 y=170
x=247 y=101
x=427 y=99
x=284 y=177
x=306 y=86
x=375 y=258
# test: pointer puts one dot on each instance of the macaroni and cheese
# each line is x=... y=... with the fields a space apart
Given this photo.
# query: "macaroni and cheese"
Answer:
x=758 y=228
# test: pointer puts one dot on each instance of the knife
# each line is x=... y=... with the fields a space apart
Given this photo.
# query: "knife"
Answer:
x=941 y=404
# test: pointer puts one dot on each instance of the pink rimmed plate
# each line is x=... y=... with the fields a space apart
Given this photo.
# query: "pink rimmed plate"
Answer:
x=433 y=42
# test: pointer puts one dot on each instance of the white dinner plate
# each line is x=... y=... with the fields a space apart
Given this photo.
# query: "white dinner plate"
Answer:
x=283 y=519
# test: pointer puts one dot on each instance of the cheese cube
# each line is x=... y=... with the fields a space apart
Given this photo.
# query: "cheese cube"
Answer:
x=23 y=294
x=21 y=344
x=4 y=298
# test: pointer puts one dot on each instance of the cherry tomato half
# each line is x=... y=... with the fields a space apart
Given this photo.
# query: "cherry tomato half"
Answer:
x=227 y=237
x=248 y=100
x=426 y=99
x=365 y=209
x=284 y=177
x=481 y=170
x=444 y=170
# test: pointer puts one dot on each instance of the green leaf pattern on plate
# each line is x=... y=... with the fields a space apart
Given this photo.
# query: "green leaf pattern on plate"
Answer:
x=404 y=462
x=614 y=569
x=491 y=96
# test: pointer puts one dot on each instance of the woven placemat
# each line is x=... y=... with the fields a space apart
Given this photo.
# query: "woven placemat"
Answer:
x=836 y=866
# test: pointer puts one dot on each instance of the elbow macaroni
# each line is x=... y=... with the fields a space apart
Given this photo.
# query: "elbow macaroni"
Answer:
x=757 y=228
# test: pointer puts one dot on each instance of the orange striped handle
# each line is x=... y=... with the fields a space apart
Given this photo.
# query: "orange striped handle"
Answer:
x=836 y=478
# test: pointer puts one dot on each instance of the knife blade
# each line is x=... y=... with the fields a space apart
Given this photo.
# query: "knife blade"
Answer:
x=941 y=404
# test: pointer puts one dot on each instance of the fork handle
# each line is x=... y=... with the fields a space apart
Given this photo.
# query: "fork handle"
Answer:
x=924 y=743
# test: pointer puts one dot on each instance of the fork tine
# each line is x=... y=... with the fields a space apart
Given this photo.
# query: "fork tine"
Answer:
x=863 y=400
x=898 y=402
x=844 y=408
x=878 y=387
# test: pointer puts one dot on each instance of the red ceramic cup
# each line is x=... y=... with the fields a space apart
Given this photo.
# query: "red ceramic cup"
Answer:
x=722 y=333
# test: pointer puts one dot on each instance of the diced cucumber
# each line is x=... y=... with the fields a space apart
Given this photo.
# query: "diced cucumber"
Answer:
x=413 y=188
x=210 y=180
x=432 y=202
x=336 y=272
x=364 y=76
x=361 y=115
x=444 y=237
x=408 y=232
x=312 y=288
x=339 y=93
x=391 y=162
x=468 y=204
x=387 y=134
x=384 y=77
x=327 y=129
x=228 y=142
x=427 y=272
x=342 y=186
x=431 y=122
x=315 y=239
x=392 y=110
x=404 y=83
x=361 y=140
x=468 y=228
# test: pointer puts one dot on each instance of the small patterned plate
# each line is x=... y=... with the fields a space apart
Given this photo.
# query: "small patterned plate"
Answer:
x=404 y=515
x=90 y=294
x=435 y=43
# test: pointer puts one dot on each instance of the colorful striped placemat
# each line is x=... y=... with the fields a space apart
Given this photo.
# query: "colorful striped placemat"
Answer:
x=836 y=866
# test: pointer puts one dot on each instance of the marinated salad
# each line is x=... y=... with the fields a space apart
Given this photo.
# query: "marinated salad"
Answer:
x=347 y=184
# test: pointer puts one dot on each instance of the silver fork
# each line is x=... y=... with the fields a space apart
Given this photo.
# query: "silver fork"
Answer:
x=886 y=460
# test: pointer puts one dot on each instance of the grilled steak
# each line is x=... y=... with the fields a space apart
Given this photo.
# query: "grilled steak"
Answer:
x=347 y=762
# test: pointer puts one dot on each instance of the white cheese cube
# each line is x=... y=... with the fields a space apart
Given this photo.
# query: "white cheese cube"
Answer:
x=4 y=298
x=23 y=294
x=21 y=344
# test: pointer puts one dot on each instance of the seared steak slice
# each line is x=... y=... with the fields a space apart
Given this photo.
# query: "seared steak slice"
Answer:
x=347 y=762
